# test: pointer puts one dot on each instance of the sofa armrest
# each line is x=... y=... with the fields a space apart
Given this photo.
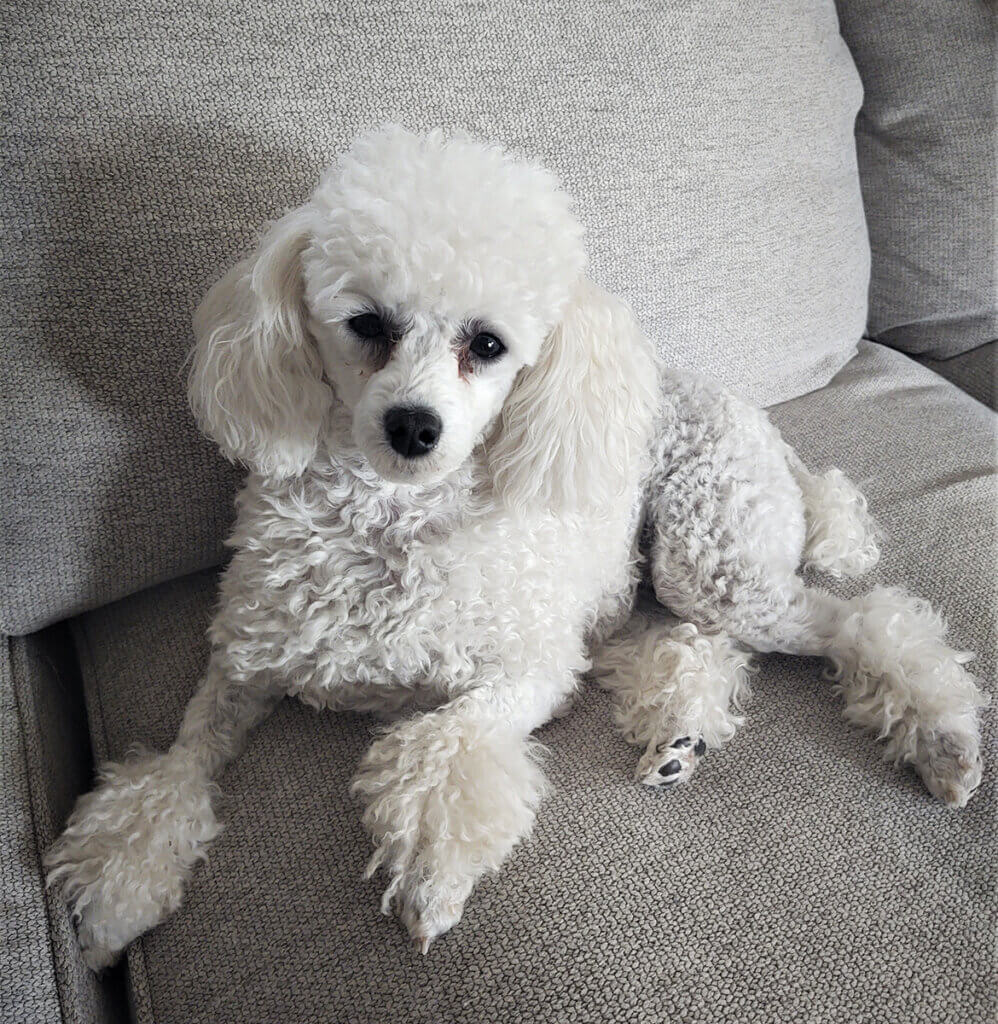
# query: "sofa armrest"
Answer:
x=973 y=372
x=45 y=763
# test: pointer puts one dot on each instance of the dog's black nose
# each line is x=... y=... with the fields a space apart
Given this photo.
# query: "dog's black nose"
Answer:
x=412 y=432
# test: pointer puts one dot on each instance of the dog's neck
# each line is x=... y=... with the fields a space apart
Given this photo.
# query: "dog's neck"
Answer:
x=341 y=487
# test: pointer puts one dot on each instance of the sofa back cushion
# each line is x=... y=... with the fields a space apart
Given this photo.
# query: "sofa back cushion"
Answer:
x=926 y=140
x=709 y=147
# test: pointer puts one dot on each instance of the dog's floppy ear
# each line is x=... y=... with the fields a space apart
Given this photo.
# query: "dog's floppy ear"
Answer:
x=255 y=382
x=575 y=428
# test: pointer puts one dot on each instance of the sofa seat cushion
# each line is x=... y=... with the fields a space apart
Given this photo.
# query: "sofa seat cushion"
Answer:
x=798 y=878
x=976 y=372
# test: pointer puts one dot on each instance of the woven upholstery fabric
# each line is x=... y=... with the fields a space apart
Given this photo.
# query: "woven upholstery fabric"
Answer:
x=27 y=980
x=45 y=761
x=974 y=371
x=797 y=878
x=710 y=148
x=926 y=141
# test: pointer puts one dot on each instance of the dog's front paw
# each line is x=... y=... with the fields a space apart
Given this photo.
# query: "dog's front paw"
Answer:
x=123 y=860
x=446 y=800
x=671 y=762
x=950 y=765
x=395 y=781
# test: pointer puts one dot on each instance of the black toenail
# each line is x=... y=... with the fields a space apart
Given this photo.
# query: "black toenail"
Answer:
x=670 y=768
x=699 y=748
x=683 y=741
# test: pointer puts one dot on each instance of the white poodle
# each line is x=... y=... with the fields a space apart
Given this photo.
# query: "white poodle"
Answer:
x=460 y=453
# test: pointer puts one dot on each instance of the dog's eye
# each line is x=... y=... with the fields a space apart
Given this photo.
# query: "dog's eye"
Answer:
x=486 y=346
x=368 y=325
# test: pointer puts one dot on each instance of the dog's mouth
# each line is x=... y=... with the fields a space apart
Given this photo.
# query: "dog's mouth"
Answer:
x=400 y=472
x=399 y=469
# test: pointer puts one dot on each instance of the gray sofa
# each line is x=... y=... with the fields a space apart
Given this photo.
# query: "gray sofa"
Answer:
x=799 y=878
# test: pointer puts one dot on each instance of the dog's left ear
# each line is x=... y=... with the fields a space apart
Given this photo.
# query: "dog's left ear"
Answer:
x=574 y=431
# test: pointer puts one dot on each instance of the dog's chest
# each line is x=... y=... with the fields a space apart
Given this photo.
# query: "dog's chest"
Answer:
x=377 y=599
x=402 y=622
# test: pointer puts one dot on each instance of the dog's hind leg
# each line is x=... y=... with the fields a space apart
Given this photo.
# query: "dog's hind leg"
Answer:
x=732 y=513
x=129 y=846
x=677 y=691
x=898 y=676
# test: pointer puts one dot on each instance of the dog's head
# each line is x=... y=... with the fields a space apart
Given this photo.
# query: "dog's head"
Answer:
x=429 y=285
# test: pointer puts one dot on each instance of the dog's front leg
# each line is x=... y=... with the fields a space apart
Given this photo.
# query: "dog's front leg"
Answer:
x=129 y=845
x=448 y=795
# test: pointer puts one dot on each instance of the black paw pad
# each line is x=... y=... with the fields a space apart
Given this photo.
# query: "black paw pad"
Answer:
x=670 y=768
x=700 y=748
x=683 y=741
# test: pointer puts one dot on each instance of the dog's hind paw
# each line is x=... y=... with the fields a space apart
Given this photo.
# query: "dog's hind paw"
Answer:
x=672 y=762
x=429 y=908
x=950 y=766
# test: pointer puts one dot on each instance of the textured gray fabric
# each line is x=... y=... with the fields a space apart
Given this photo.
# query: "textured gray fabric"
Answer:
x=710 y=148
x=929 y=168
x=798 y=878
x=44 y=764
x=27 y=979
x=974 y=371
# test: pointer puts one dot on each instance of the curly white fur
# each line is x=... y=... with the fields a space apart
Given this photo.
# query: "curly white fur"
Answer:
x=456 y=591
x=731 y=514
x=685 y=675
x=129 y=847
x=842 y=538
x=673 y=682
x=903 y=682
x=448 y=795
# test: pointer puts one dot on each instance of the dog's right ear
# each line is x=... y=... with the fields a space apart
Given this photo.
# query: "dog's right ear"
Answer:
x=256 y=381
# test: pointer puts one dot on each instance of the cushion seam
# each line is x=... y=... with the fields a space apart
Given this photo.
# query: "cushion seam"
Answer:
x=14 y=657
